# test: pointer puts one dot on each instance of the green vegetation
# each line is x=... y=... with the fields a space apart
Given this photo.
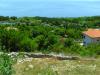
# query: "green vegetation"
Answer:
x=42 y=34
x=5 y=64
x=47 y=35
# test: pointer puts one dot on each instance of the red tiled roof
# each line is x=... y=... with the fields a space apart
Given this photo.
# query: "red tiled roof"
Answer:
x=93 y=33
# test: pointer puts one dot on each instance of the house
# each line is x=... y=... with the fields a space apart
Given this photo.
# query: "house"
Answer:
x=91 y=36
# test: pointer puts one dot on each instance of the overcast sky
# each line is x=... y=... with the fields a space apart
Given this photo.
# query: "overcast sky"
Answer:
x=48 y=7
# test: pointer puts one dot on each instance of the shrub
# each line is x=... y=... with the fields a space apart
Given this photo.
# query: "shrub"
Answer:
x=92 y=49
x=5 y=65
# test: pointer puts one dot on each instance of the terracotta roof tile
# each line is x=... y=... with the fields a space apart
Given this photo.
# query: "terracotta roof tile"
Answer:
x=93 y=33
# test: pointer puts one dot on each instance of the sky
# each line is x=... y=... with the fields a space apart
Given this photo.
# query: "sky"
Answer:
x=49 y=8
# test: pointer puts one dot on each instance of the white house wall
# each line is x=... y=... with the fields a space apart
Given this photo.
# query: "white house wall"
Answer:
x=88 y=40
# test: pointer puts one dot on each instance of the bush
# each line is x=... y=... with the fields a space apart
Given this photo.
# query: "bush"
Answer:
x=28 y=45
x=92 y=50
x=5 y=65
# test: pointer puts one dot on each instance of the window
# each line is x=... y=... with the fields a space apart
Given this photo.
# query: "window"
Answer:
x=84 y=42
x=83 y=36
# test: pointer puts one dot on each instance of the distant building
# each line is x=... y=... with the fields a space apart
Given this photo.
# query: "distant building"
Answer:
x=91 y=36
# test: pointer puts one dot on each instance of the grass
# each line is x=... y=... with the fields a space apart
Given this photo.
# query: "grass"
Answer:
x=38 y=66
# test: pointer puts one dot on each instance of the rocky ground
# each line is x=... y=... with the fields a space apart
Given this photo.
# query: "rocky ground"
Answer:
x=28 y=65
x=49 y=66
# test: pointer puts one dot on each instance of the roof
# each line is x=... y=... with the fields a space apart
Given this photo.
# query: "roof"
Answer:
x=93 y=33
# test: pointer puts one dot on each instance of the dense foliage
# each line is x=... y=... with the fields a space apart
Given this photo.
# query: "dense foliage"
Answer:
x=5 y=64
x=44 y=34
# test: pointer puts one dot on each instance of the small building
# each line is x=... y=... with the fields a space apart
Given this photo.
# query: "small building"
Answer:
x=91 y=36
